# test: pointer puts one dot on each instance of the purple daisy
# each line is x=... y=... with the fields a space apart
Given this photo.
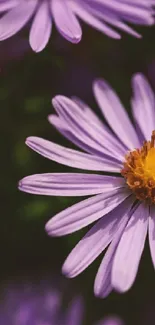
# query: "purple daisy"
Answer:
x=101 y=14
x=122 y=205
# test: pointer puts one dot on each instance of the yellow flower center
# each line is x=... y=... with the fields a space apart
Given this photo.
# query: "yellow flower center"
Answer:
x=139 y=170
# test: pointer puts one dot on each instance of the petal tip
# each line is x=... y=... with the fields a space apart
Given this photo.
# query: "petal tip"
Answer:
x=48 y=228
x=76 y=39
x=20 y=185
x=65 y=271
x=56 y=99
x=120 y=283
x=28 y=140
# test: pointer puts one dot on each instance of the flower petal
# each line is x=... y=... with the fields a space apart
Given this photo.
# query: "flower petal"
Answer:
x=114 y=20
x=75 y=312
x=15 y=19
x=130 y=248
x=41 y=27
x=68 y=132
x=6 y=5
x=65 y=20
x=143 y=105
x=95 y=241
x=152 y=233
x=84 y=213
x=88 y=17
x=102 y=285
x=70 y=157
x=131 y=11
x=115 y=114
x=69 y=184
x=88 y=131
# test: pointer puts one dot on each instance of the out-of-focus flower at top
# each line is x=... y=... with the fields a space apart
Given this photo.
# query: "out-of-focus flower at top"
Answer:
x=123 y=205
x=101 y=14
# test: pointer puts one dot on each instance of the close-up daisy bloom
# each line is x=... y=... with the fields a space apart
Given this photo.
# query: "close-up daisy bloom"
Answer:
x=121 y=204
x=102 y=15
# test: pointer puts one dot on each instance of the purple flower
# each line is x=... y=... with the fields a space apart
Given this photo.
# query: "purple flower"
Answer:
x=42 y=302
x=101 y=14
x=122 y=205
x=31 y=303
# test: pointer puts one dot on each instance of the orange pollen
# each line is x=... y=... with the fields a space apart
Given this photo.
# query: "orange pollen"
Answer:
x=139 y=171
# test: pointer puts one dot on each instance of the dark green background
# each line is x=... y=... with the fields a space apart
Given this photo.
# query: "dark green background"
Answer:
x=28 y=81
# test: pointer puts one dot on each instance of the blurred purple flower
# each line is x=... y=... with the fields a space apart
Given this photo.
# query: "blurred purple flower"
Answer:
x=111 y=321
x=100 y=14
x=42 y=302
x=124 y=205
x=31 y=303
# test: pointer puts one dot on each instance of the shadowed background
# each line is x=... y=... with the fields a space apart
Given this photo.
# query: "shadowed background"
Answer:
x=28 y=81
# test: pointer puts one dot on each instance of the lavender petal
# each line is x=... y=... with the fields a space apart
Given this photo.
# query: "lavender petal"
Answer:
x=41 y=28
x=69 y=184
x=95 y=241
x=84 y=213
x=103 y=285
x=143 y=105
x=65 y=20
x=18 y=16
x=130 y=248
x=70 y=157
x=114 y=112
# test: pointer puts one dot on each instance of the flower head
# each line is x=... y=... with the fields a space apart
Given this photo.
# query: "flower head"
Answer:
x=101 y=14
x=122 y=205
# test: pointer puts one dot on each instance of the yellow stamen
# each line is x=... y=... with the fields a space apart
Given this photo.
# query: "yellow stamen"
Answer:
x=139 y=170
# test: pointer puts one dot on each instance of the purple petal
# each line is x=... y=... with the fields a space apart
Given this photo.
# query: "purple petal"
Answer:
x=115 y=21
x=68 y=132
x=95 y=241
x=87 y=110
x=69 y=184
x=70 y=157
x=84 y=213
x=143 y=105
x=75 y=312
x=85 y=14
x=131 y=11
x=65 y=20
x=152 y=233
x=130 y=248
x=115 y=114
x=18 y=16
x=99 y=140
x=9 y=4
x=102 y=285
x=41 y=27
